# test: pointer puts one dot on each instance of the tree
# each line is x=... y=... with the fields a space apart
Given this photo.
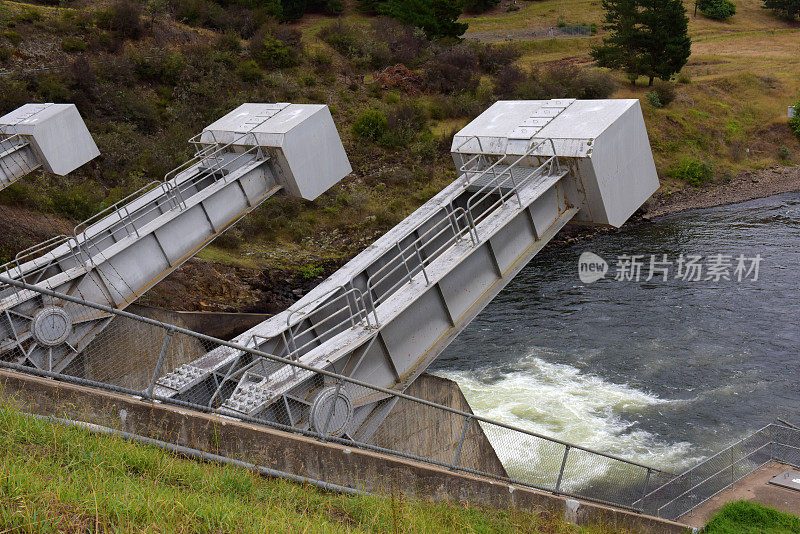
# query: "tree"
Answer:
x=717 y=9
x=785 y=8
x=437 y=18
x=648 y=38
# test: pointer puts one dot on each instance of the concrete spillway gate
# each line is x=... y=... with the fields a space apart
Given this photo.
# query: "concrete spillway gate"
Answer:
x=526 y=168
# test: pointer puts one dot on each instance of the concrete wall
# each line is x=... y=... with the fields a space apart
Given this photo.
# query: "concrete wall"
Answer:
x=424 y=431
x=298 y=454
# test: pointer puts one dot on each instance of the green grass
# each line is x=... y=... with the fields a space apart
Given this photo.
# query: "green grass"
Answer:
x=55 y=478
x=743 y=517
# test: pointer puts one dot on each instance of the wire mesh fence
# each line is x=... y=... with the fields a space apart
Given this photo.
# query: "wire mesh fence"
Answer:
x=158 y=361
x=685 y=492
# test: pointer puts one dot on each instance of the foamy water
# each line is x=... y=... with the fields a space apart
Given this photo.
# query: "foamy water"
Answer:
x=560 y=401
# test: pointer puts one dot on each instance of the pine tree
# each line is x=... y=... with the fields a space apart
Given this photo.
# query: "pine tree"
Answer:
x=648 y=38
x=437 y=18
x=785 y=8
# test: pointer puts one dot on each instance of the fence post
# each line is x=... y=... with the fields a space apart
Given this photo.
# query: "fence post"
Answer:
x=461 y=441
x=563 y=465
x=160 y=362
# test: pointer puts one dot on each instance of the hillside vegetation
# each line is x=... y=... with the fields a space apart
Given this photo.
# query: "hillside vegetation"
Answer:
x=148 y=76
x=63 y=479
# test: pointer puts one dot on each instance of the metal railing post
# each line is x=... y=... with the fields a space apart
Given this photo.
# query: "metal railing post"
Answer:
x=467 y=421
x=160 y=362
x=561 y=471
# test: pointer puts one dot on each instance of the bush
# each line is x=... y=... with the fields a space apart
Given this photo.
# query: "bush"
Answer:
x=5 y=53
x=784 y=153
x=452 y=70
x=13 y=37
x=125 y=18
x=492 y=58
x=794 y=122
x=662 y=95
x=370 y=124
x=28 y=16
x=693 y=172
x=249 y=71
x=358 y=44
x=276 y=49
x=652 y=97
x=73 y=44
x=717 y=9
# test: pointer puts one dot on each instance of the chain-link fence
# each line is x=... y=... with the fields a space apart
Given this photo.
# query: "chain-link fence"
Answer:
x=157 y=361
x=695 y=486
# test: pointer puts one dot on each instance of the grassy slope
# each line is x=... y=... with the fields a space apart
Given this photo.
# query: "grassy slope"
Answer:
x=63 y=479
x=745 y=517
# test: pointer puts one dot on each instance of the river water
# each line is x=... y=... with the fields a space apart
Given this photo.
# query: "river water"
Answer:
x=662 y=372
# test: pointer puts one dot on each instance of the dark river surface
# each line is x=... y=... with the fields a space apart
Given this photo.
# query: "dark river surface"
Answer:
x=663 y=372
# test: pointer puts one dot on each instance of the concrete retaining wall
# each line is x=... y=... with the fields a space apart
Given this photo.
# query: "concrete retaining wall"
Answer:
x=297 y=454
x=424 y=431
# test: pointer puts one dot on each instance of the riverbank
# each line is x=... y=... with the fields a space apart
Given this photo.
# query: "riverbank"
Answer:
x=750 y=186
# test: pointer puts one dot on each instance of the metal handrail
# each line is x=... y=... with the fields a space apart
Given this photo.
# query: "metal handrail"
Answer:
x=418 y=245
x=728 y=466
x=362 y=312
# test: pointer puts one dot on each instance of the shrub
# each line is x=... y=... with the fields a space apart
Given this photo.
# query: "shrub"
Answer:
x=684 y=78
x=370 y=124
x=717 y=9
x=663 y=94
x=406 y=43
x=794 y=122
x=28 y=16
x=784 y=153
x=693 y=172
x=249 y=71
x=13 y=37
x=311 y=271
x=5 y=53
x=654 y=100
x=125 y=18
x=492 y=57
x=358 y=44
x=73 y=44
x=275 y=49
x=452 y=69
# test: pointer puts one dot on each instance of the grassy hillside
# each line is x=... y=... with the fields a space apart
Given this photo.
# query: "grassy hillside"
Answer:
x=62 y=479
x=147 y=83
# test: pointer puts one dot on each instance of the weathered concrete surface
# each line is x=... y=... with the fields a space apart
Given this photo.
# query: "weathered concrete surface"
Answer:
x=424 y=431
x=754 y=487
x=298 y=454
